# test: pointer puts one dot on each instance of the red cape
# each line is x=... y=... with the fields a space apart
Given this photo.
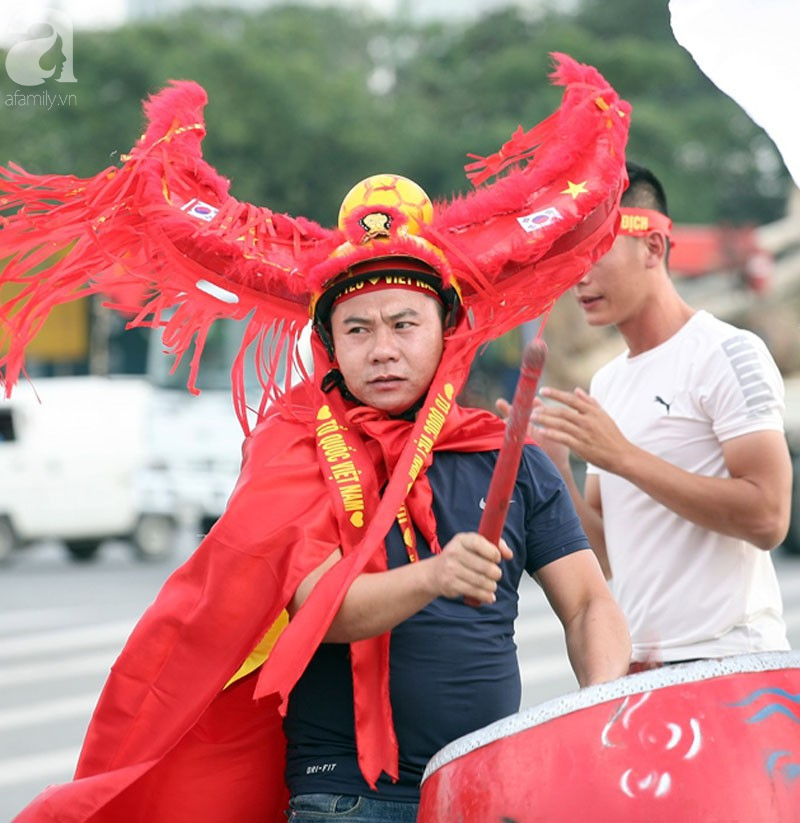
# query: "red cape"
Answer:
x=167 y=741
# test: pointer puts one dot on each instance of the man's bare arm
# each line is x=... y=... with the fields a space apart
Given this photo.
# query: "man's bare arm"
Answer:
x=752 y=504
x=375 y=603
x=596 y=632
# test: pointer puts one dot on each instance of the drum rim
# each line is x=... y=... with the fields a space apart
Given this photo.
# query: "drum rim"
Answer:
x=603 y=692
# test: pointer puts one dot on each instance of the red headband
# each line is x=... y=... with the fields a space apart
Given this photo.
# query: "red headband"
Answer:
x=383 y=273
x=387 y=280
x=640 y=222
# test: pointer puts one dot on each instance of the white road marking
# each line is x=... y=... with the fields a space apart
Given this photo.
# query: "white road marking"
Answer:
x=62 y=640
x=51 y=669
x=58 y=764
x=44 y=712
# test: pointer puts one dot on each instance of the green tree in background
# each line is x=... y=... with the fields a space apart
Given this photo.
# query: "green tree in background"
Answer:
x=304 y=102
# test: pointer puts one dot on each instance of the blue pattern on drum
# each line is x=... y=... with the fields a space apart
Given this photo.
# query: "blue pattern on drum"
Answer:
x=791 y=770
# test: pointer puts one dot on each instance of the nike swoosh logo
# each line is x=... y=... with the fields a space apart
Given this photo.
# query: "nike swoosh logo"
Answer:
x=482 y=504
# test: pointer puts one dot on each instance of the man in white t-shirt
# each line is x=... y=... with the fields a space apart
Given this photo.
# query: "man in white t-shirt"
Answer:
x=689 y=479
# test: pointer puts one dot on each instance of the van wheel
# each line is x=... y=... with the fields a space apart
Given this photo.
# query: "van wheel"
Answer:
x=154 y=536
x=82 y=551
x=8 y=540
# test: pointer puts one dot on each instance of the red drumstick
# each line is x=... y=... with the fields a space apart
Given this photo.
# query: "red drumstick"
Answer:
x=505 y=471
x=504 y=476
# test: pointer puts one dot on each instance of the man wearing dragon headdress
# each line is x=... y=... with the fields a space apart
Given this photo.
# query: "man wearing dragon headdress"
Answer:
x=335 y=590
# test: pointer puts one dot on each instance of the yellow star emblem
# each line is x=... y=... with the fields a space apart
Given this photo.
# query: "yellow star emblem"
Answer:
x=574 y=189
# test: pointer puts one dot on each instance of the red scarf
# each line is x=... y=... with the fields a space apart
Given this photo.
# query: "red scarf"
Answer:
x=167 y=742
x=401 y=451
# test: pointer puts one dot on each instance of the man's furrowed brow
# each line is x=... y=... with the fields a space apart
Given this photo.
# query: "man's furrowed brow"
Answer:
x=355 y=320
x=358 y=320
x=403 y=314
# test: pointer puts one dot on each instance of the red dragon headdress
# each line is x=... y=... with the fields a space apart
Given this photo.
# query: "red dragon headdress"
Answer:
x=162 y=234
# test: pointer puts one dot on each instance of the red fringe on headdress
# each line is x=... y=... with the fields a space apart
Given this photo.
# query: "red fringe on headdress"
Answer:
x=147 y=235
x=518 y=275
x=126 y=233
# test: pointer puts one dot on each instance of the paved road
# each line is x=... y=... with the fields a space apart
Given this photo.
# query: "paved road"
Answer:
x=62 y=624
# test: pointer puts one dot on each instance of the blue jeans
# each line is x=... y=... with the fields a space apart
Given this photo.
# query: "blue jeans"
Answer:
x=317 y=808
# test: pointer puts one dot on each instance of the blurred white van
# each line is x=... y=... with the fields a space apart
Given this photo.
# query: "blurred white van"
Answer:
x=71 y=453
x=88 y=459
x=195 y=441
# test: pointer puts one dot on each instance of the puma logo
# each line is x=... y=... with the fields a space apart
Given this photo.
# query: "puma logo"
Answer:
x=663 y=402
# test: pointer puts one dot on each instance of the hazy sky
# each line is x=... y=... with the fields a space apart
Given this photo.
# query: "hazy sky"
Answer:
x=103 y=13
x=83 y=13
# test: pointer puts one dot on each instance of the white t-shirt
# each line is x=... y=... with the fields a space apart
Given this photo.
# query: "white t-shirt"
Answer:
x=688 y=592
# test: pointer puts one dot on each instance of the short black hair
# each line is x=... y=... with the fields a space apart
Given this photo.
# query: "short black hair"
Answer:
x=644 y=190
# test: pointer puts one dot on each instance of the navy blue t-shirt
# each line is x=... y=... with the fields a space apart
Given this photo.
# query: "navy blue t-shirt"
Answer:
x=453 y=668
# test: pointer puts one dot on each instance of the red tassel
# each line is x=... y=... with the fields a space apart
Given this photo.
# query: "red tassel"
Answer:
x=128 y=233
x=521 y=147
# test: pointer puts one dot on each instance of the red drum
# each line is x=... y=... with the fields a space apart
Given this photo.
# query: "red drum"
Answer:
x=713 y=741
